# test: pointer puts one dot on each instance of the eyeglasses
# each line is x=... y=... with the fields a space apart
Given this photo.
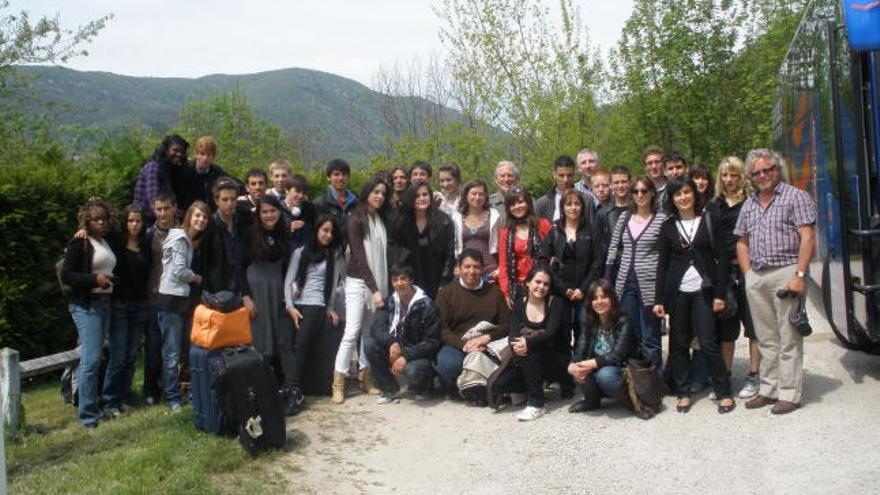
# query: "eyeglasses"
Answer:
x=639 y=192
x=765 y=171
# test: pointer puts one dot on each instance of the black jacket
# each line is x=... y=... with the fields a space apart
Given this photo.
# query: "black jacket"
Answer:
x=676 y=257
x=198 y=186
x=326 y=203
x=623 y=334
x=420 y=338
x=553 y=317
x=433 y=263
x=76 y=271
x=222 y=253
x=603 y=227
x=579 y=272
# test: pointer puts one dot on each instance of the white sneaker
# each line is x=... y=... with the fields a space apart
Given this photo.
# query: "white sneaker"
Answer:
x=530 y=413
x=388 y=399
x=712 y=395
x=175 y=408
x=750 y=388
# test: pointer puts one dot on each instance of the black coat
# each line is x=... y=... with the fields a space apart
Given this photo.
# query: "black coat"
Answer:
x=676 y=257
x=550 y=327
x=420 y=338
x=76 y=271
x=222 y=255
x=623 y=334
x=579 y=272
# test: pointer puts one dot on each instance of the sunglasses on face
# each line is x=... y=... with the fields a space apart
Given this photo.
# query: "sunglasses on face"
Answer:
x=765 y=171
x=639 y=192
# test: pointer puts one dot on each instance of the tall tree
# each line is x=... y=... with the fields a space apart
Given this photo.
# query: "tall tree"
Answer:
x=513 y=67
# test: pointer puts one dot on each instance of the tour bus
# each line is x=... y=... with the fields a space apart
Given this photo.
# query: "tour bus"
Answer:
x=827 y=126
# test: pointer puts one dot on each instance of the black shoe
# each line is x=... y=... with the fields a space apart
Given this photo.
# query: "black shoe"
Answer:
x=292 y=400
x=684 y=408
x=726 y=409
x=582 y=406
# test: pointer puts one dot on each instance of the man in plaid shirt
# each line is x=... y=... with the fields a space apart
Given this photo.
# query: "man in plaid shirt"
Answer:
x=776 y=229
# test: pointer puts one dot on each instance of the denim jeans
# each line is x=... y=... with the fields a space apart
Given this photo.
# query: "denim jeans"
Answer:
x=609 y=379
x=92 y=324
x=647 y=325
x=129 y=322
x=449 y=361
x=418 y=372
x=171 y=326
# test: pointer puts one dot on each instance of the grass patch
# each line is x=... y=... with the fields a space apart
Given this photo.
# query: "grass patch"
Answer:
x=147 y=450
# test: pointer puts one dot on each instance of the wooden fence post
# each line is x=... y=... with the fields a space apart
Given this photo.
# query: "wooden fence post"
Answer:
x=10 y=388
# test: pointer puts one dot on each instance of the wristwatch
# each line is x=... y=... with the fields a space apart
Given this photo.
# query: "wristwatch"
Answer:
x=800 y=274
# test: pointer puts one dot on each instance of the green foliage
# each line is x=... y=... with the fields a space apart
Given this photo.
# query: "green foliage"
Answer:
x=245 y=139
x=517 y=70
x=697 y=76
x=38 y=200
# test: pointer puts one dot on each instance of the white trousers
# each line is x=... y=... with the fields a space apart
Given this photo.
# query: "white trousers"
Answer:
x=357 y=324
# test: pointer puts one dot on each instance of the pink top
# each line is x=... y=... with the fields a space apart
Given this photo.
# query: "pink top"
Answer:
x=637 y=225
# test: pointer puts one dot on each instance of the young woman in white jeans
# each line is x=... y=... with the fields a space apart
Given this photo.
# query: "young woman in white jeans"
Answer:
x=366 y=285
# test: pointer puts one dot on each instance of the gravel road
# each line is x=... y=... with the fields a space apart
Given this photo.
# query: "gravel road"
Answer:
x=830 y=445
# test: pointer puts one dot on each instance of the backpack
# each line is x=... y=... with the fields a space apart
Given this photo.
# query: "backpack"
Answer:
x=644 y=388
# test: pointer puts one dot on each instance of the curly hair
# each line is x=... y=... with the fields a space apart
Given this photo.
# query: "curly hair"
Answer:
x=84 y=215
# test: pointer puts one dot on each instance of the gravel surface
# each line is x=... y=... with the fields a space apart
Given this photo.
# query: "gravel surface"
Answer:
x=830 y=445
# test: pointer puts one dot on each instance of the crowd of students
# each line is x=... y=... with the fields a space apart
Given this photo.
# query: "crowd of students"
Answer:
x=577 y=281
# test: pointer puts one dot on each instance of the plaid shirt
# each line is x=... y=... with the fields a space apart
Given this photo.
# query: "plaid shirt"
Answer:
x=772 y=232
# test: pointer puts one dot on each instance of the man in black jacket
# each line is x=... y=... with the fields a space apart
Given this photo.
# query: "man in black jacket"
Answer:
x=404 y=338
x=202 y=173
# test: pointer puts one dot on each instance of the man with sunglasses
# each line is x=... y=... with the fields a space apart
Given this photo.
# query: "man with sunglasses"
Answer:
x=776 y=229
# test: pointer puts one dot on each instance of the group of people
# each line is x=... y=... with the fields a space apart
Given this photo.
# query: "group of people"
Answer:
x=575 y=282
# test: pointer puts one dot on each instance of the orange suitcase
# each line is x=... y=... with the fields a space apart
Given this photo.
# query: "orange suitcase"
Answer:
x=214 y=330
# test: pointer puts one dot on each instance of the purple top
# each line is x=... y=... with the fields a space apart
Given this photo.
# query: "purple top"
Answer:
x=772 y=232
x=146 y=188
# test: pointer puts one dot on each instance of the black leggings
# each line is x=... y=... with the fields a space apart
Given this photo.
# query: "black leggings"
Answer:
x=692 y=313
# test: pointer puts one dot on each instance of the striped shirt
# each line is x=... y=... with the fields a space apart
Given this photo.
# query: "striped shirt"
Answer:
x=772 y=232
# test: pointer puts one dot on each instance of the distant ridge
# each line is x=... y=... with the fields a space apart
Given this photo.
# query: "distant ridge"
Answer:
x=333 y=115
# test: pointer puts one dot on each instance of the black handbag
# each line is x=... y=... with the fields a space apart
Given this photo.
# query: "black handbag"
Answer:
x=224 y=301
x=731 y=307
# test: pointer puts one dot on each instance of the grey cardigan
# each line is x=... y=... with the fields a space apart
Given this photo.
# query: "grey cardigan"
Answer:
x=641 y=254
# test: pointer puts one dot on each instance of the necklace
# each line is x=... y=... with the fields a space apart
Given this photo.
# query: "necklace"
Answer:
x=470 y=221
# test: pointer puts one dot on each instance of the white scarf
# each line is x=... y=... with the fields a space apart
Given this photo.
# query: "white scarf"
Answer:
x=375 y=244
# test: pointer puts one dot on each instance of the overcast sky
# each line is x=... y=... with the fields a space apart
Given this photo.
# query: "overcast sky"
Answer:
x=354 y=38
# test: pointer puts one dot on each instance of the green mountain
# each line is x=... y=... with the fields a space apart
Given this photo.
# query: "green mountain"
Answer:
x=331 y=115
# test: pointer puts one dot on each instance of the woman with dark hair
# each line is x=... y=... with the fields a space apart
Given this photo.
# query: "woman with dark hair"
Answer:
x=476 y=225
x=607 y=339
x=692 y=277
x=314 y=273
x=702 y=177
x=163 y=173
x=534 y=322
x=88 y=270
x=422 y=237
x=399 y=183
x=266 y=253
x=131 y=312
x=366 y=284
x=570 y=251
x=519 y=242
x=632 y=261
x=173 y=301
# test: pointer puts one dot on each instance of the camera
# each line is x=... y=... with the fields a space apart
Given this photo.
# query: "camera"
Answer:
x=798 y=315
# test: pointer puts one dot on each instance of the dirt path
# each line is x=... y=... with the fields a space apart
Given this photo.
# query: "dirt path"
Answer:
x=831 y=445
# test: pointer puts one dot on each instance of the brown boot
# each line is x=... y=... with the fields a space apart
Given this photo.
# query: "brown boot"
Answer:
x=338 y=389
x=365 y=377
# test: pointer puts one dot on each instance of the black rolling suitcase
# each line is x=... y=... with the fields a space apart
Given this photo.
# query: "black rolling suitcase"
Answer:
x=248 y=394
x=205 y=366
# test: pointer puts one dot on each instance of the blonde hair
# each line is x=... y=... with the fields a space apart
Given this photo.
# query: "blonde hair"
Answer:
x=733 y=164
x=281 y=164
x=207 y=145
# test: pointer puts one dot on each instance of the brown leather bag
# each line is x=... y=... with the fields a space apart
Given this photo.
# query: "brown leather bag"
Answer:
x=212 y=329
